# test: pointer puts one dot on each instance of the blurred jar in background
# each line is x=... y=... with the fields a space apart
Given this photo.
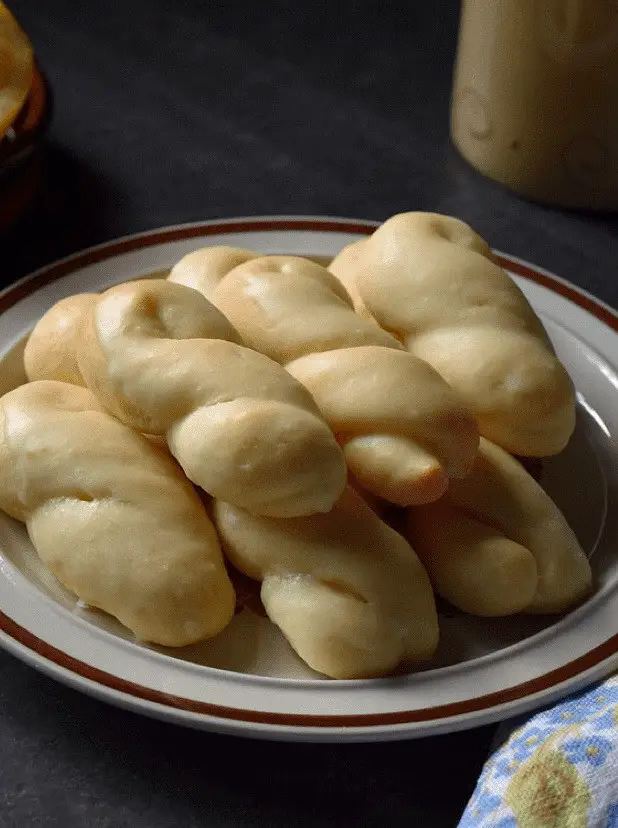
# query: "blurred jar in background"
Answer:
x=535 y=97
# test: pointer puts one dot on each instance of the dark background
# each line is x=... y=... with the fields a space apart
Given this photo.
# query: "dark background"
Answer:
x=169 y=112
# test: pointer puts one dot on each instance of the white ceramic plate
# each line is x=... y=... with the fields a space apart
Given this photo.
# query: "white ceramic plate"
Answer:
x=248 y=681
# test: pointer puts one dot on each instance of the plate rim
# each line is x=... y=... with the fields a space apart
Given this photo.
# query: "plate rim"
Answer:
x=456 y=715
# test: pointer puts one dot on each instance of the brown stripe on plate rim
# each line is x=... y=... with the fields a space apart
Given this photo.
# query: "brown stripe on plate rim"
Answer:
x=482 y=703
x=150 y=239
x=426 y=714
x=606 y=315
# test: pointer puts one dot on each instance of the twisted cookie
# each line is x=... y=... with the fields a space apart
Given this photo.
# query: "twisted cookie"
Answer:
x=497 y=544
x=433 y=282
x=111 y=516
x=166 y=362
x=403 y=431
x=346 y=590
x=51 y=349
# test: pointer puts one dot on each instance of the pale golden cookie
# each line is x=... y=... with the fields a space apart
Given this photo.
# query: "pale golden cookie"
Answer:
x=165 y=361
x=404 y=432
x=111 y=516
x=497 y=543
x=347 y=591
x=433 y=283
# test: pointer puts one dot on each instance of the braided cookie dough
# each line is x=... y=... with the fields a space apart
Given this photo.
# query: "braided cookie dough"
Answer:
x=165 y=361
x=203 y=269
x=404 y=432
x=111 y=516
x=346 y=590
x=51 y=349
x=497 y=544
x=433 y=282
x=287 y=305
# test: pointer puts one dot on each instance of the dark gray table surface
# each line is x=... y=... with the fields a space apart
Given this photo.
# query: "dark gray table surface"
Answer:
x=171 y=112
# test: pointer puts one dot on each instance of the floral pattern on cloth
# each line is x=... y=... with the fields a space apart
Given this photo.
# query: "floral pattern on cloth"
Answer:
x=557 y=770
